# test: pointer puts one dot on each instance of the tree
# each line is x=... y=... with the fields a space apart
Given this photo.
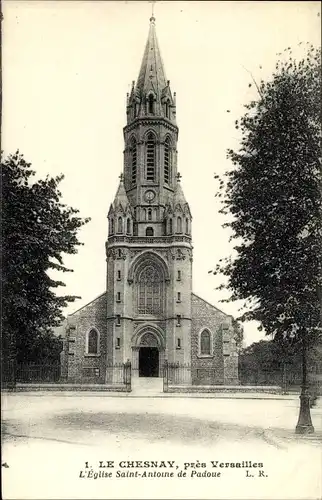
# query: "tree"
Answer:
x=278 y=362
x=259 y=365
x=238 y=334
x=265 y=362
x=273 y=195
x=37 y=229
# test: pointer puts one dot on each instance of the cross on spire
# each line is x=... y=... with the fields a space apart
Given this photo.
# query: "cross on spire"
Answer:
x=179 y=176
x=151 y=55
x=121 y=177
x=152 y=18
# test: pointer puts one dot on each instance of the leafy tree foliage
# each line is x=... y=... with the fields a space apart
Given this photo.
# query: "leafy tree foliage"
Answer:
x=273 y=195
x=278 y=363
x=238 y=334
x=37 y=229
x=266 y=356
x=262 y=362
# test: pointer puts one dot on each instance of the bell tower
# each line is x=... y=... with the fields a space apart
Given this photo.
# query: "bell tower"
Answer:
x=149 y=250
x=150 y=136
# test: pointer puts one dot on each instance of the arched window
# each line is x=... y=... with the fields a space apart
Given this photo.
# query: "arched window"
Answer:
x=119 y=225
x=112 y=226
x=149 y=214
x=150 y=290
x=179 y=225
x=170 y=226
x=187 y=226
x=92 y=342
x=205 y=343
x=149 y=231
x=151 y=104
x=150 y=158
x=133 y=161
x=128 y=226
x=167 y=161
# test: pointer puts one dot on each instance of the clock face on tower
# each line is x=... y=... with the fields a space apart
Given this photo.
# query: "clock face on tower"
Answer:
x=149 y=195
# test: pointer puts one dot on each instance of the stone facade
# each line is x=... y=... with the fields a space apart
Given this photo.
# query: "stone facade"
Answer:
x=148 y=313
x=78 y=364
x=220 y=366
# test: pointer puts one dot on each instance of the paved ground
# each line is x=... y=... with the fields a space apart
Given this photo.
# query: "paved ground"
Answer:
x=48 y=437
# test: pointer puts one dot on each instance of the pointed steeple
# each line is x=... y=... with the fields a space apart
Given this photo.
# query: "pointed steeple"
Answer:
x=179 y=197
x=150 y=138
x=121 y=199
x=151 y=95
x=120 y=212
x=152 y=74
x=180 y=202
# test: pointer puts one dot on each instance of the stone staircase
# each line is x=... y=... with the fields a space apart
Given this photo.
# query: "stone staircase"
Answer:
x=147 y=386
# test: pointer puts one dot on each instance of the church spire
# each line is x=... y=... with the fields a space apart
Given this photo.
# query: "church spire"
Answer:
x=152 y=74
x=150 y=138
x=151 y=96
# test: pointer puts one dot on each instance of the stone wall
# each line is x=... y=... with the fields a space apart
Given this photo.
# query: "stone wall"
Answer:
x=83 y=367
x=221 y=366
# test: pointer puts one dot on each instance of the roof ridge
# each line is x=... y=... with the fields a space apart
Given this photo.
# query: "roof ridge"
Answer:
x=87 y=304
x=206 y=301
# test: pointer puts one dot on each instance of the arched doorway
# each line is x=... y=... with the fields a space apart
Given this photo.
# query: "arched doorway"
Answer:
x=147 y=353
x=148 y=362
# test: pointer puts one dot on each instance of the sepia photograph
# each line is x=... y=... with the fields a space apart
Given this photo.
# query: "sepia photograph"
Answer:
x=161 y=223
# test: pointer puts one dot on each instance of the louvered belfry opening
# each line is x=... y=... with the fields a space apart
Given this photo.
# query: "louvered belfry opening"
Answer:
x=134 y=161
x=167 y=161
x=150 y=158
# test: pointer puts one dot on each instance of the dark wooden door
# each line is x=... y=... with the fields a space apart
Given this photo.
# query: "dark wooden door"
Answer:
x=149 y=362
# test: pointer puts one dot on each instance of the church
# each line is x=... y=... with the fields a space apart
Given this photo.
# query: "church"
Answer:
x=148 y=314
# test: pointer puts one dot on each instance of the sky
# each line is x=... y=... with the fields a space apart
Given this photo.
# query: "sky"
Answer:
x=67 y=67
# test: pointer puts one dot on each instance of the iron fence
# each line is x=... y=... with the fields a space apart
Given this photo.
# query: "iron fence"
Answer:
x=8 y=374
x=288 y=379
x=183 y=374
x=38 y=373
x=119 y=374
x=175 y=374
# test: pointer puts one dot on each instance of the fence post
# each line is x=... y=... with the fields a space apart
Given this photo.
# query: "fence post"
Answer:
x=9 y=374
x=127 y=375
x=129 y=387
x=165 y=376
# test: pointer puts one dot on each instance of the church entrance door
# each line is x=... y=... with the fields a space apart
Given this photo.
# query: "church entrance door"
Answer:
x=149 y=362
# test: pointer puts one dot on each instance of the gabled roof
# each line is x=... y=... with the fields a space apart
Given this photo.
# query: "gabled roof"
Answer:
x=211 y=305
x=69 y=317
